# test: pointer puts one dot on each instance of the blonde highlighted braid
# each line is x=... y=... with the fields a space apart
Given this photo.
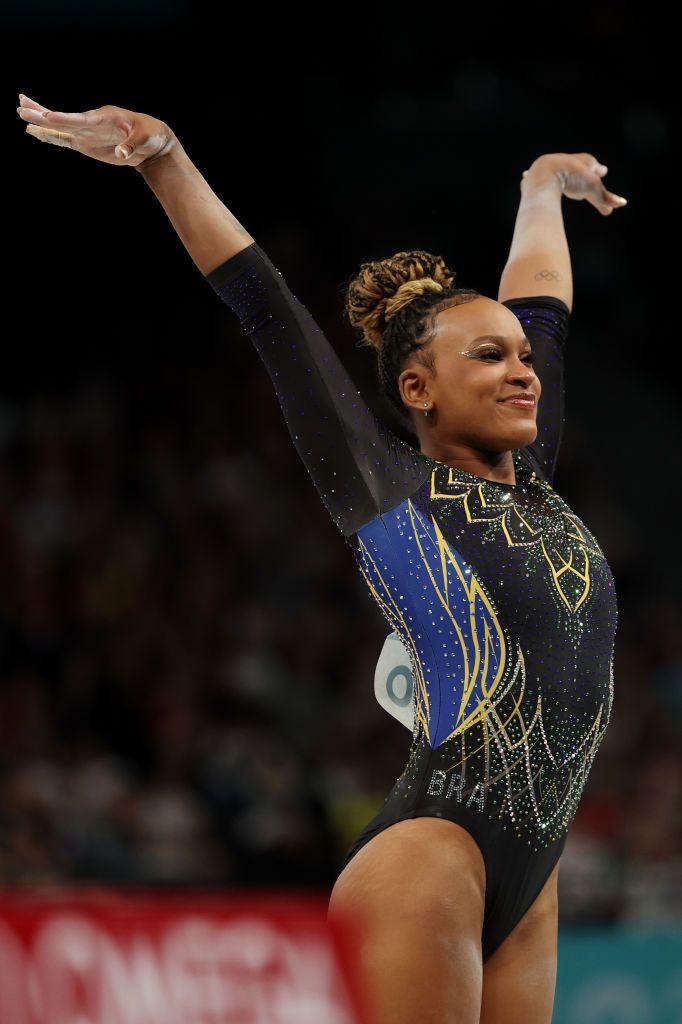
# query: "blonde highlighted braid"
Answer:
x=389 y=300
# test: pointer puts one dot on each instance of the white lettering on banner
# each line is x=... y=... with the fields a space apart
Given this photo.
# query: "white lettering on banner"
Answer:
x=133 y=989
x=243 y=970
x=67 y=956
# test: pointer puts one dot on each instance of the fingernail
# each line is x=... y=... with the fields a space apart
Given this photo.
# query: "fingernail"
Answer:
x=123 y=151
x=620 y=199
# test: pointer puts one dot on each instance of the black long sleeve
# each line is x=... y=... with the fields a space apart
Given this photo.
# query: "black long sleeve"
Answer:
x=359 y=466
x=545 y=319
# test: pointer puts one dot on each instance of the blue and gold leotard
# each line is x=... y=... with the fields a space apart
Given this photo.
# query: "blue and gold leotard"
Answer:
x=500 y=594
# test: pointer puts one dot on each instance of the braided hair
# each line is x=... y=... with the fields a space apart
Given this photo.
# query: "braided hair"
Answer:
x=389 y=301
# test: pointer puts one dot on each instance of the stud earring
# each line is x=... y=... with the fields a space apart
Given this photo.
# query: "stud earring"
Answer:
x=426 y=411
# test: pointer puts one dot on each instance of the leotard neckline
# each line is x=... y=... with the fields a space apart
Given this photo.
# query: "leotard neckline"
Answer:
x=524 y=474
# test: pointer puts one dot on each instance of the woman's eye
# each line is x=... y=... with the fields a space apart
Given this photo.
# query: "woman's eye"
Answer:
x=494 y=353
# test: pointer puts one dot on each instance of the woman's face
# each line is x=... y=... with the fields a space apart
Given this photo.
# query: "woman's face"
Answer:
x=481 y=357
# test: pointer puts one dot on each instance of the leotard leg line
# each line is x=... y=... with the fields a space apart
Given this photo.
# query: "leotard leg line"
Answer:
x=515 y=874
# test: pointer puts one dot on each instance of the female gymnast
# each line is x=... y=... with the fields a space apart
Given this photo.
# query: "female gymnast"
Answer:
x=500 y=594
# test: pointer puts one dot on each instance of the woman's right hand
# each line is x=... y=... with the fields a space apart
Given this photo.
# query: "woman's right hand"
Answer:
x=113 y=135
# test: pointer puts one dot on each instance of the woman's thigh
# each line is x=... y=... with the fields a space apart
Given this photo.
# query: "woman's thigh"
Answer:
x=520 y=977
x=416 y=894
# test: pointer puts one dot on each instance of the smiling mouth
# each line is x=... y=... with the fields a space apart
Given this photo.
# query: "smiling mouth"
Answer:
x=527 y=402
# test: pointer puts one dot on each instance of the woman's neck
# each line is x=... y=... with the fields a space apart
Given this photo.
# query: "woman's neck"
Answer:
x=495 y=466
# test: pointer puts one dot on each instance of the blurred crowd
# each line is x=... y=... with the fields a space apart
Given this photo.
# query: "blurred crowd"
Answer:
x=187 y=654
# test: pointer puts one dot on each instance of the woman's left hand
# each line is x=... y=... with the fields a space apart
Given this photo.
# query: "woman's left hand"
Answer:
x=580 y=176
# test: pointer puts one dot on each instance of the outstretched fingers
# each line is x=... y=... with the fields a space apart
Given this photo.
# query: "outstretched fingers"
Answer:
x=26 y=101
x=111 y=134
x=607 y=201
x=57 y=119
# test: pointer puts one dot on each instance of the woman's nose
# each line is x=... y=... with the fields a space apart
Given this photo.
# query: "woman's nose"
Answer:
x=521 y=371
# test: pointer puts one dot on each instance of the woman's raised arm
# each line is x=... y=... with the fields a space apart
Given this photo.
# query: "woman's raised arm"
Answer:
x=207 y=229
x=359 y=467
x=128 y=138
x=539 y=261
x=537 y=282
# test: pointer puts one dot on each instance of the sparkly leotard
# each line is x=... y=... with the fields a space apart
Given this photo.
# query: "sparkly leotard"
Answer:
x=499 y=593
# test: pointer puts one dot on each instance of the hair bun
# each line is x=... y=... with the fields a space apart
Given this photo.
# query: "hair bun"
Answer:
x=383 y=287
x=409 y=291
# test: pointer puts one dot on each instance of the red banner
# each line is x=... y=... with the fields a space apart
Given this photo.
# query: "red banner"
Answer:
x=111 y=958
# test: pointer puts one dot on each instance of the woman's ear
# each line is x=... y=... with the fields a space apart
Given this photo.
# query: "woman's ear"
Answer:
x=413 y=387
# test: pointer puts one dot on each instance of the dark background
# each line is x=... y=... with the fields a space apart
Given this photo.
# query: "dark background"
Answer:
x=185 y=675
